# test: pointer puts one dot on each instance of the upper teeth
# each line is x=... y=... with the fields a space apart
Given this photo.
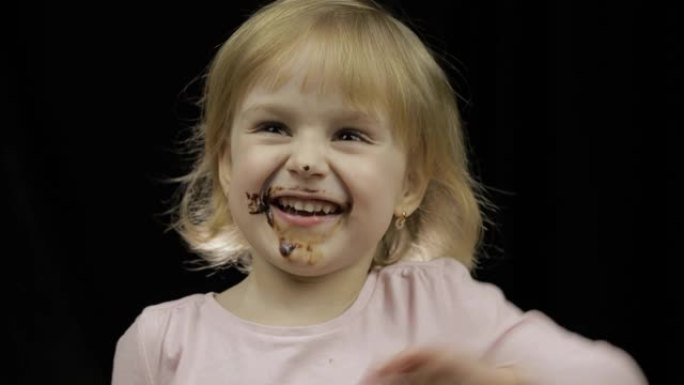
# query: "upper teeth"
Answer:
x=308 y=205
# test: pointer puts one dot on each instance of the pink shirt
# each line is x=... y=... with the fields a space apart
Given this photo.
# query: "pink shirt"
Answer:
x=194 y=340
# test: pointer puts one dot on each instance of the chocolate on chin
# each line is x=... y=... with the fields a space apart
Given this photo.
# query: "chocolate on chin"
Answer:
x=300 y=251
x=286 y=248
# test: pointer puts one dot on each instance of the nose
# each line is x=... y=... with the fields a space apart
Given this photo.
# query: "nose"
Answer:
x=307 y=158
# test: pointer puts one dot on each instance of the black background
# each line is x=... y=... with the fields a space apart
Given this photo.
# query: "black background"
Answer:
x=558 y=105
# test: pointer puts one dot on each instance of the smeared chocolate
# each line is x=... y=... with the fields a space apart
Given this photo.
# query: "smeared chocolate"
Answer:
x=257 y=203
x=307 y=251
x=286 y=248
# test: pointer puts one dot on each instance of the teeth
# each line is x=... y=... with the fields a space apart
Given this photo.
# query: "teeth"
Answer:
x=298 y=205
x=307 y=206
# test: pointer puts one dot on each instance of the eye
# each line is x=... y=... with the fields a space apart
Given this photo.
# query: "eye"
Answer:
x=276 y=128
x=351 y=134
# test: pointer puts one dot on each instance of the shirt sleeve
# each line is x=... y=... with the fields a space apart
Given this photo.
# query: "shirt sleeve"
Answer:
x=131 y=365
x=550 y=355
x=543 y=352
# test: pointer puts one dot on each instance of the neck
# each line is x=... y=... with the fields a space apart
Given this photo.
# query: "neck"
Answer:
x=272 y=296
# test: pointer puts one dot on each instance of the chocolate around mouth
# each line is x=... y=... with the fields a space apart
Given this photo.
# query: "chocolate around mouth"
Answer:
x=256 y=204
x=261 y=203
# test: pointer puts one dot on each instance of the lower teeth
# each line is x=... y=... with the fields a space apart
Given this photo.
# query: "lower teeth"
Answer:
x=303 y=213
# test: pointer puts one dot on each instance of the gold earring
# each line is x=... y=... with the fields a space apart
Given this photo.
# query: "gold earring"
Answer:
x=400 y=221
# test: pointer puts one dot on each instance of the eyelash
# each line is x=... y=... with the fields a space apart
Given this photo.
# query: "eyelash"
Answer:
x=276 y=128
x=357 y=135
x=272 y=128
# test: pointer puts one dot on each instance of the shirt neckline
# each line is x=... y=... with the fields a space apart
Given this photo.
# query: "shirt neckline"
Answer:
x=226 y=318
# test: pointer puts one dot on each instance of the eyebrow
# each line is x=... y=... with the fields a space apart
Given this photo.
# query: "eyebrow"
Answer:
x=343 y=114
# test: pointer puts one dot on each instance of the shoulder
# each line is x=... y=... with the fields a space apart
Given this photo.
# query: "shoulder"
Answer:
x=160 y=317
x=156 y=335
x=180 y=306
x=444 y=276
x=155 y=318
x=481 y=316
x=445 y=287
x=439 y=301
x=170 y=319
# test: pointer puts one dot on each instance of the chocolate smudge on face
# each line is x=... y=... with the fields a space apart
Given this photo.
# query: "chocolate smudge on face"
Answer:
x=298 y=245
x=259 y=203
x=286 y=248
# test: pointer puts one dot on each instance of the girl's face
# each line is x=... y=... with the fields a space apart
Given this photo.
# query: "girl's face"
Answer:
x=312 y=182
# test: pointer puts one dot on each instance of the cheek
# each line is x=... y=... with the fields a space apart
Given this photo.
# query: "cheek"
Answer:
x=249 y=165
x=250 y=171
x=376 y=188
x=240 y=184
x=236 y=199
x=385 y=176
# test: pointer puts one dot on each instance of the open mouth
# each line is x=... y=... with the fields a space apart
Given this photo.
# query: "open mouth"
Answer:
x=297 y=213
x=307 y=207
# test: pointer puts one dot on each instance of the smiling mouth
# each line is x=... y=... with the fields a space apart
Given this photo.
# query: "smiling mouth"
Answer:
x=263 y=201
x=307 y=207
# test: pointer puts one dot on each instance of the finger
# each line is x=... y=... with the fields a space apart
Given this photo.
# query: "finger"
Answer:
x=438 y=371
x=408 y=361
x=394 y=370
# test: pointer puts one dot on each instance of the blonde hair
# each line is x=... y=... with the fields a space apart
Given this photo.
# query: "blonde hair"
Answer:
x=376 y=62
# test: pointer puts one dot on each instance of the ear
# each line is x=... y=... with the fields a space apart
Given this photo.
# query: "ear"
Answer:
x=224 y=167
x=415 y=185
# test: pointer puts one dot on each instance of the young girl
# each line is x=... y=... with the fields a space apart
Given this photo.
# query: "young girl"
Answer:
x=333 y=170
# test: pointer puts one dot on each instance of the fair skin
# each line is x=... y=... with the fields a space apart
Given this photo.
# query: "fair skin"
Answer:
x=314 y=152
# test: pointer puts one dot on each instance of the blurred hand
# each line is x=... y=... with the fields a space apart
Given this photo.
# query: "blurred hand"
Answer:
x=438 y=367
